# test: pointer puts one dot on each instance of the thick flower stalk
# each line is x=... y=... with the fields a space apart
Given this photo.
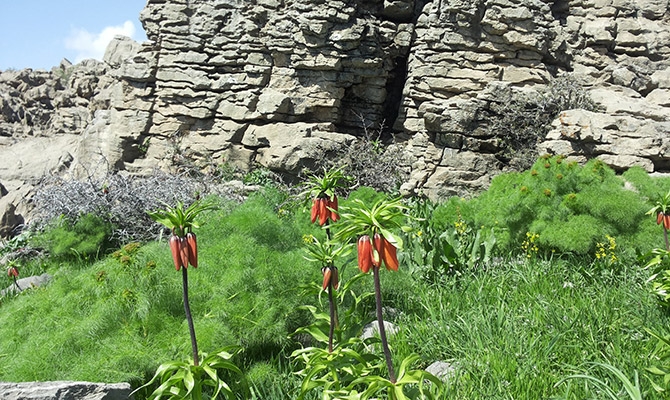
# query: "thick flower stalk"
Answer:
x=331 y=282
x=376 y=246
x=184 y=250
x=372 y=253
x=325 y=253
x=321 y=191
x=13 y=273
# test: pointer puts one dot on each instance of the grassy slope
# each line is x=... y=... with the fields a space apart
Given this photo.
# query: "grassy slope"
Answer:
x=514 y=330
x=121 y=326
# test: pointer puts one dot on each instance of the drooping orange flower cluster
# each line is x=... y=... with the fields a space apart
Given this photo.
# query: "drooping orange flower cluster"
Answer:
x=372 y=252
x=330 y=275
x=184 y=250
x=323 y=209
x=13 y=272
x=664 y=219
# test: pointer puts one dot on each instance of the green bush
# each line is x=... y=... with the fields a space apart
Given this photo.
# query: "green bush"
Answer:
x=259 y=260
x=570 y=207
x=260 y=176
x=82 y=239
x=651 y=188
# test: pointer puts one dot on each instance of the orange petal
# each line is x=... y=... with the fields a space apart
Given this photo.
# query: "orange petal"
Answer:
x=364 y=253
x=175 y=246
x=333 y=213
x=326 y=277
x=389 y=255
x=377 y=250
x=183 y=252
x=323 y=211
x=315 y=211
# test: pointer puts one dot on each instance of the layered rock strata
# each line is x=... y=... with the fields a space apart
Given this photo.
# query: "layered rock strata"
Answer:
x=284 y=83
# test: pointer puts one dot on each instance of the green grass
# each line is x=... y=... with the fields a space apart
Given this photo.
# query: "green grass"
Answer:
x=513 y=330
x=516 y=330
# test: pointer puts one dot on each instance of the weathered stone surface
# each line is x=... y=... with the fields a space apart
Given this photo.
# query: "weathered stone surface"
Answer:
x=23 y=160
x=372 y=329
x=24 y=284
x=120 y=49
x=15 y=206
x=9 y=220
x=442 y=370
x=63 y=390
x=621 y=141
x=219 y=75
x=292 y=147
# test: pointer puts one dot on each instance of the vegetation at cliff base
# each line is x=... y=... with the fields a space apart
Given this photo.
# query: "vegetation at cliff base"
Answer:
x=537 y=288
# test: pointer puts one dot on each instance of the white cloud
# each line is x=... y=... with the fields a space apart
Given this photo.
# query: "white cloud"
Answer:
x=93 y=45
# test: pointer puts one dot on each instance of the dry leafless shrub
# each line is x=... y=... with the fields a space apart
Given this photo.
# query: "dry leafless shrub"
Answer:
x=372 y=163
x=122 y=200
x=520 y=119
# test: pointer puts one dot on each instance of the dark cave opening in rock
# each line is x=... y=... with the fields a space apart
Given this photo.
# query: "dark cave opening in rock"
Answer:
x=394 y=88
x=560 y=10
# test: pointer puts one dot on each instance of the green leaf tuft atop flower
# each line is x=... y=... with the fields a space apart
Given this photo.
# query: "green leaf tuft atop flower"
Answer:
x=181 y=220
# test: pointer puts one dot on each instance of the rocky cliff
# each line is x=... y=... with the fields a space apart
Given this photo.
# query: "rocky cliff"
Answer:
x=282 y=83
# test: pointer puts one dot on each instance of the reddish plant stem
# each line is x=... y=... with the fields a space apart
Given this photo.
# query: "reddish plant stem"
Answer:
x=17 y=284
x=380 y=321
x=189 y=319
x=331 y=301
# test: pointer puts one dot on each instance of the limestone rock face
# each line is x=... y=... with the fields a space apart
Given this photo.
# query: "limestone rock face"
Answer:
x=463 y=49
x=621 y=141
x=280 y=83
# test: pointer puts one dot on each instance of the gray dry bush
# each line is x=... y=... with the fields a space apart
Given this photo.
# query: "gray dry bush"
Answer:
x=120 y=199
x=374 y=164
x=519 y=119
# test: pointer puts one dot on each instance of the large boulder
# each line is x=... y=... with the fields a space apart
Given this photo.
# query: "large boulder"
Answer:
x=14 y=207
x=621 y=141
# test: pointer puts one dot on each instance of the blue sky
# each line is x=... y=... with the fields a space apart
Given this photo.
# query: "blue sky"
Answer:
x=40 y=33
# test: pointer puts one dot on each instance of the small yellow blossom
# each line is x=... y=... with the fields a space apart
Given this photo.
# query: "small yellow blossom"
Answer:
x=460 y=226
x=529 y=245
x=607 y=251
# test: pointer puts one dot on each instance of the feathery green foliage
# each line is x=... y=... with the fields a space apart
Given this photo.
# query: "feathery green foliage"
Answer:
x=512 y=329
x=570 y=206
x=84 y=238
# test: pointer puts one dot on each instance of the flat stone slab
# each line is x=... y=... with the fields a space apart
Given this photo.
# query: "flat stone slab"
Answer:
x=26 y=283
x=64 y=390
x=442 y=370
